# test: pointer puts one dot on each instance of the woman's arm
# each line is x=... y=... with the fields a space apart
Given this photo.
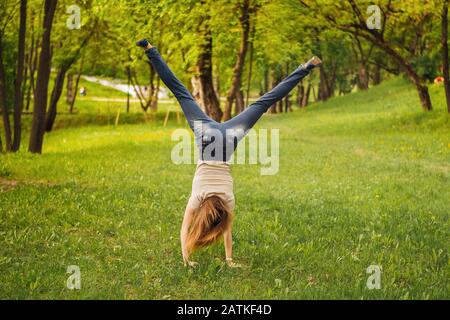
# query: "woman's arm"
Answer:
x=228 y=243
x=188 y=213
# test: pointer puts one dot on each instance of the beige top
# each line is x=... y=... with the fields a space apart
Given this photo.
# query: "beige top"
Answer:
x=212 y=178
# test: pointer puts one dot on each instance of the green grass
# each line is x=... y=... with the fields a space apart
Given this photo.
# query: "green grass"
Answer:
x=364 y=180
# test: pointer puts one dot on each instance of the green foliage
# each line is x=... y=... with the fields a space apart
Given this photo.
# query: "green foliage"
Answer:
x=9 y=63
x=426 y=67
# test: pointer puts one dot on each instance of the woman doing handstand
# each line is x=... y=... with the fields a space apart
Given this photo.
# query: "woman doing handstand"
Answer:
x=209 y=212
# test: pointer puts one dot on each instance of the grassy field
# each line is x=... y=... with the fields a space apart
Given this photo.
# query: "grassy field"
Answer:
x=364 y=180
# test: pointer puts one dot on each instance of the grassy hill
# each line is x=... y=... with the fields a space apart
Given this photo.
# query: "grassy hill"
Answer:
x=364 y=180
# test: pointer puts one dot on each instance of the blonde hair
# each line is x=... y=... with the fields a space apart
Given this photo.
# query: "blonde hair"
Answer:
x=209 y=222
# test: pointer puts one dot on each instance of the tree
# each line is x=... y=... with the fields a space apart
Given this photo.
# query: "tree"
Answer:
x=68 y=46
x=122 y=21
x=445 y=63
x=202 y=81
x=234 y=90
x=251 y=58
x=6 y=16
x=41 y=93
x=32 y=58
x=392 y=38
x=18 y=83
x=362 y=57
x=64 y=66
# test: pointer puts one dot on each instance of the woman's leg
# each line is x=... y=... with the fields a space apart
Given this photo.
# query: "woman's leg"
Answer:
x=191 y=109
x=247 y=119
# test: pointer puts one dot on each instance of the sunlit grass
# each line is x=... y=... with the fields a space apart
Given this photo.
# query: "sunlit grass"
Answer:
x=364 y=180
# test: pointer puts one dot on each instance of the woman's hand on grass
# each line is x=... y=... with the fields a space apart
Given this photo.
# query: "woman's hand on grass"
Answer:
x=233 y=264
x=189 y=263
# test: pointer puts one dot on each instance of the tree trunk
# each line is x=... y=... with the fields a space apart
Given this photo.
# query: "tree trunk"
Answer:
x=240 y=106
x=30 y=63
x=33 y=63
x=40 y=103
x=128 y=88
x=27 y=84
x=363 y=77
x=422 y=89
x=279 y=103
x=77 y=82
x=274 y=82
x=56 y=94
x=280 y=106
x=66 y=64
x=240 y=60
x=324 y=89
x=413 y=76
x=250 y=64
x=362 y=58
x=445 y=64
x=287 y=103
x=202 y=81
x=376 y=75
x=18 y=96
x=300 y=93
x=69 y=88
x=265 y=81
x=145 y=96
x=3 y=103
x=216 y=85
x=424 y=96
x=152 y=87
x=305 y=99
x=287 y=99
x=239 y=102
x=154 y=105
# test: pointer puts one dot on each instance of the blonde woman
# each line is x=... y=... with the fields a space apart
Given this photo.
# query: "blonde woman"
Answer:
x=209 y=212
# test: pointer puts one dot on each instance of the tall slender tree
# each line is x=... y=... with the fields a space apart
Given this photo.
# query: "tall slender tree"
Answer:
x=64 y=66
x=233 y=92
x=202 y=81
x=4 y=102
x=18 y=83
x=445 y=63
x=6 y=16
x=41 y=94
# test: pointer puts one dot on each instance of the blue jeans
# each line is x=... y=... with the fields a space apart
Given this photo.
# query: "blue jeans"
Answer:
x=217 y=141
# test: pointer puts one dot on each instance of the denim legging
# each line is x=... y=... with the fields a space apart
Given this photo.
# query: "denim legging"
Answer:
x=217 y=141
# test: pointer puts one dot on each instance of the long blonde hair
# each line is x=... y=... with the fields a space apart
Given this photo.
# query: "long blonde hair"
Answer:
x=209 y=222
